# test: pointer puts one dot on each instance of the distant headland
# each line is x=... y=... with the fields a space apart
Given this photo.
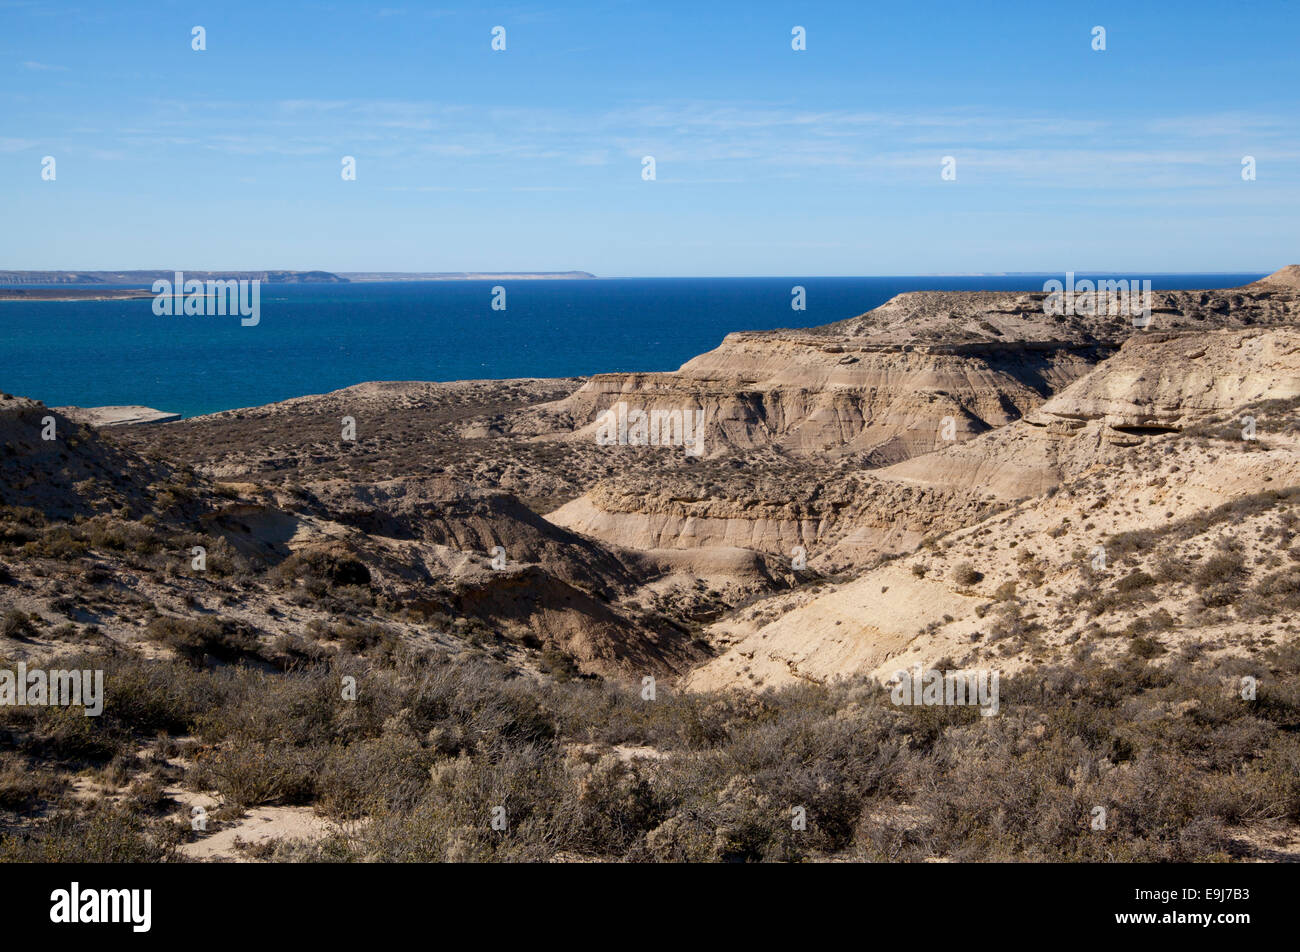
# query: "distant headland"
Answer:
x=276 y=277
x=129 y=285
x=148 y=277
x=465 y=275
x=74 y=294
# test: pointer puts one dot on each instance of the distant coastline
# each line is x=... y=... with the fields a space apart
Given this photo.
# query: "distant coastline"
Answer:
x=46 y=278
x=150 y=276
x=74 y=294
x=377 y=276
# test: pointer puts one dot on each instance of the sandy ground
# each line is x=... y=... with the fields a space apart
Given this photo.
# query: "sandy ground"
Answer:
x=116 y=416
x=258 y=826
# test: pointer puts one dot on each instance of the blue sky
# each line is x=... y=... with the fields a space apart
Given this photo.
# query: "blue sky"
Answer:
x=769 y=161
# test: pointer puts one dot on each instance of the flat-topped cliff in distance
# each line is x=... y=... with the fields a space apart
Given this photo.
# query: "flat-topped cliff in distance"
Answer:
x=104 y=293
x=465 y=275
x=148 y=277
x=269 y=277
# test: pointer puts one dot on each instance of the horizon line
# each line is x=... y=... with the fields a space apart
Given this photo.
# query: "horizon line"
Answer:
x=590 y=276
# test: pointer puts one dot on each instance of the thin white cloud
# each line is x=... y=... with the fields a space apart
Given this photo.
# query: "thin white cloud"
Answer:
x=708 y=142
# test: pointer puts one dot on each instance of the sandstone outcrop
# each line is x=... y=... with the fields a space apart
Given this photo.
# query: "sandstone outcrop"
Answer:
x=1151 y=439
x=914 y=380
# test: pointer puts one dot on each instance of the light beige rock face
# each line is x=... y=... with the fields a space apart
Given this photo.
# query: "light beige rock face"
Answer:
x=880 y=383
x=1150 y=442
x=852 y=629
x=889 y=619
x=1012 y=463
x=807 y=398
x=1168 y=380
x=838 y=522
x=1157 y=381
x=905 y=387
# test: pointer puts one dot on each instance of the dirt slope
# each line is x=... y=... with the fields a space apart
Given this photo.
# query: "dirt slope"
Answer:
x=1110 y=472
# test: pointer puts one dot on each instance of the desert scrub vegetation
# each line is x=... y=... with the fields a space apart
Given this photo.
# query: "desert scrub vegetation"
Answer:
x=414 y=767
x=16 y=625
x=102 y=833
x=194 y=639
x=1180 y=530
x=146 y=544
x=354 y=636
x=320 y=572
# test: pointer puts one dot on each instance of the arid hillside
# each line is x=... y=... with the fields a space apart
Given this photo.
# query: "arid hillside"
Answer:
x=1150 y=461
x=652 y=653
x=809 y=432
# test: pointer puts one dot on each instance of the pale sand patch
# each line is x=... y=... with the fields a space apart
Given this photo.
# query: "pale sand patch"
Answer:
x=260 y=825
x=116 y=416
x=1267 y=842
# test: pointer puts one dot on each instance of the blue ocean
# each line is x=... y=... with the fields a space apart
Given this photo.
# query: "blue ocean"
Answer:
x=313 y=338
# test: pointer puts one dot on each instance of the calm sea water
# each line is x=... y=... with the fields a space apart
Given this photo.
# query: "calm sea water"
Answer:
x=316 y=338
